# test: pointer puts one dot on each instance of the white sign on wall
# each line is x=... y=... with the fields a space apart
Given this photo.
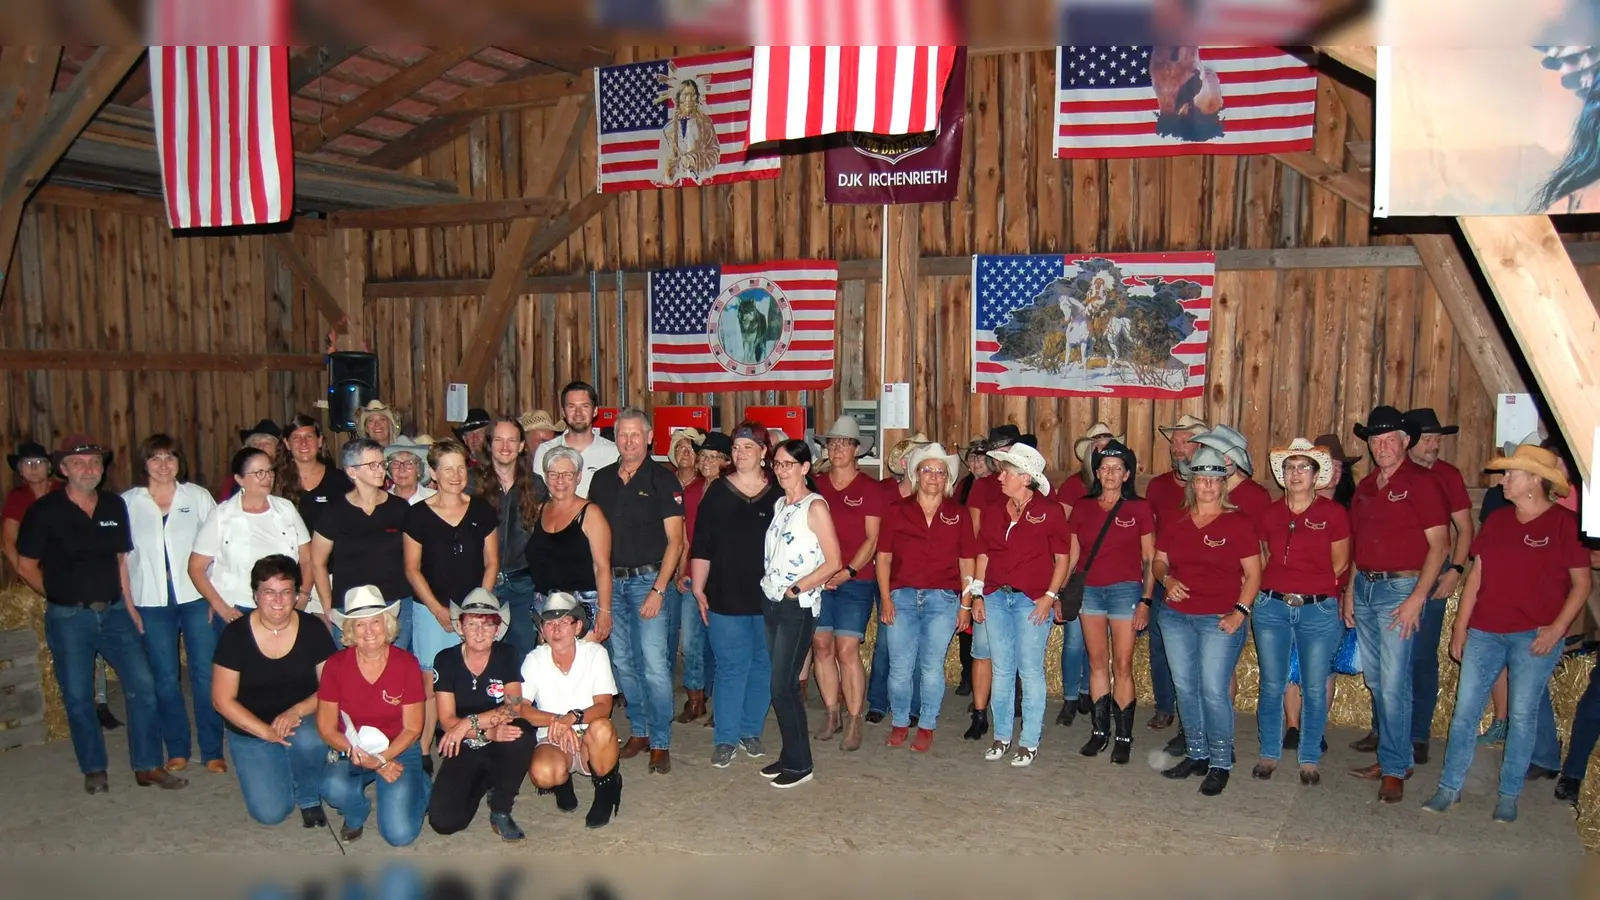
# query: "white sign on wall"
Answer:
x=1515 y=417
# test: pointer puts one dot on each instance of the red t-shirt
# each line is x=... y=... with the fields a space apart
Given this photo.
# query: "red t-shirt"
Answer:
x=380 y=704
x=1208 y=561
x=1300 y=548
x=18 y=499
x=1525 y=579
x=926 y=554
x=1388 y=522
x=1251 y=498
x=1120 y=558
x=1071 y=491
x=861 y=499
x=693 y=493
x=985 y=493
x=891 y=491
x=1164 y=493
x=1022 y=554
x=1453 y=486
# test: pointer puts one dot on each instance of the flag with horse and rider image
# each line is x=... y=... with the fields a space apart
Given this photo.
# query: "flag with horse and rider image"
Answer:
x=1092 y=325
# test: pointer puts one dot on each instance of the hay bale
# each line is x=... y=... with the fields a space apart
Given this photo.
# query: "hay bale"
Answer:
x=20 y=607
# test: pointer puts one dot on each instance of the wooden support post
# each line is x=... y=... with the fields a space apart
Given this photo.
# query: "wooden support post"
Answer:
x=904 y=227
x=1469 y=313
x=1354 y=188
x=322 y=298
x=1551 y=315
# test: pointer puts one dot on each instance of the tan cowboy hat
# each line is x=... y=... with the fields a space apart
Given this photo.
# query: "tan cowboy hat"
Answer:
x=694 y=436
x=1302 y=447
x=936 y=453
x=848 y=428
x=1539 y=461
x=895 y=459
x=424 y=440
x=538 y=420
x=362 y=602
x=1186 y=423
x=378 y=408
x=480 y=602
x=1080 y=447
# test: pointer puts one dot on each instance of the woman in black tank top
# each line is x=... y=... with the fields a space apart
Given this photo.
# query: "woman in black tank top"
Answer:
x=569 y=545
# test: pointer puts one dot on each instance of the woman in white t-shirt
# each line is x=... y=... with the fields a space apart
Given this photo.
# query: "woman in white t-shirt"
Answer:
x=244 y=528
x=567 y=688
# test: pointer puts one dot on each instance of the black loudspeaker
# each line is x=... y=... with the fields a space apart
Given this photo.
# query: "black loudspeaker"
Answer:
x=352 y=384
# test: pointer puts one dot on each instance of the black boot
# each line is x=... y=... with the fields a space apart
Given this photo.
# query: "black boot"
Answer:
x=1069 y=711
x=107 y=720
x=1085 y=704
x=1122 y=717
x=607 y=799
x=1179 y=745
x=979 y=727
x=566 y=797
x=1100 y=713
x=1216 y=780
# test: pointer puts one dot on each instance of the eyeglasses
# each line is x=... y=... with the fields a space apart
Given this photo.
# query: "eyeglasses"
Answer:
x=374 y=467
x=261 y=474
x=561 y=476
x=784 y=464
x=33 y=463
x=481 y=624
x=934 y=471
x=402 y=464
x=285 y=594
x=1299 y=467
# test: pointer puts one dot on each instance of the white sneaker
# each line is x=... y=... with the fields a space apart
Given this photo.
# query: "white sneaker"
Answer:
x=997 y=750
x=1024 y=756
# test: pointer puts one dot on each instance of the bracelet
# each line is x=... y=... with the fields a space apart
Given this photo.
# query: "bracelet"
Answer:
x=968 y=608
x=599 y=611
x=1051 y=595
x=1245 y=610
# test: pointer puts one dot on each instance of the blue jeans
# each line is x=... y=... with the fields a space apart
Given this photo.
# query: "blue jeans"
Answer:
x=276 y=780
x=1202 y=658
x=879 y=695
x=1166 y=696
x=699 y=657
x=1074 y=661
x=1585 y=729
x=918 y=641
x=74 y=635
x=1386 y=667
x=517 y=593
x=642 y=656
x=1425 y=670
x=162 y=626
x=744 y=676
x=1484 y=655
x=400 y=804
x=1317 y=628
x=1016 y=647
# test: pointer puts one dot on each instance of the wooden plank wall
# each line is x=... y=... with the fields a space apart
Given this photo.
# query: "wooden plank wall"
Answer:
x=98 y=280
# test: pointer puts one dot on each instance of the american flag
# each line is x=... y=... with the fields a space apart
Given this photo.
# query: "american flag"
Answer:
x=767 y=326
x=1106 y=105
x=223 y=134
x=799 y=92
x=1005 y=285
x=636 y=101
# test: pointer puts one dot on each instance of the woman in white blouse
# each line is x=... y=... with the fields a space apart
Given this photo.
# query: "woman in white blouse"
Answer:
x=165 y=512
x=246 y=527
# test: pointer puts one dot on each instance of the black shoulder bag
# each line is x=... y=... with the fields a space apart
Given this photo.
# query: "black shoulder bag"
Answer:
x=1071 y=598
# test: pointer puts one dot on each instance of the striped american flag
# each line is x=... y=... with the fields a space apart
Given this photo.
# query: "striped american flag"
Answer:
x=637 y=102
x=1031 y=312
x=799 y=92
x=767 y=326
x=1106 y=103
x=223 y=134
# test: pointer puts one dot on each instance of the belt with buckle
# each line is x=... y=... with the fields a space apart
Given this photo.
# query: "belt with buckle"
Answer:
x=1389 y=576
x=1299 y=599
x=503 y=577
x=634 y=571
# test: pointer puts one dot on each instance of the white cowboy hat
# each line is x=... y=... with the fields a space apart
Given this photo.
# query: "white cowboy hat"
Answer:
x=480 y=602
x=413 y=446
x=848 y=428
x=895 y=459
x=378 y=408
x=1303 y=447
x=1208 y=462
x=1186 y=423
x=936 y=453
x=1080 y=447
x=362 y=602
x=1229 y=443
x=1026 y=460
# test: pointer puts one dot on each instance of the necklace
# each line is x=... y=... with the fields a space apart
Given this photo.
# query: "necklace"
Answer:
x=275 y=631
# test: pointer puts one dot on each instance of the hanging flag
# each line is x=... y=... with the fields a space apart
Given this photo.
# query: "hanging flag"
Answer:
x=1175 y=101
x=767 y=326
x=223 y=134
x=801 y=91
x=906 y=168
x=1218 y=22
x=715 y=21
x=1092 y=325
x=678 y=122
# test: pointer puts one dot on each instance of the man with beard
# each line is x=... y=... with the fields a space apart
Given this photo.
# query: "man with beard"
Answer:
x=579 y=400
x=516 y=492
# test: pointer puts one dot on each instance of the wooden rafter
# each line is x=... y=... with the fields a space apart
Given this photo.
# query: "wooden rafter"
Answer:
x=1469 y=312
x=314 y=62
x=165 y=361
x=573 y=119
x=379 y=97
x=534 y=91
x=1352 y=187
x=30 y=77
x=477 y=212
x=322 y=298
x=437 y=131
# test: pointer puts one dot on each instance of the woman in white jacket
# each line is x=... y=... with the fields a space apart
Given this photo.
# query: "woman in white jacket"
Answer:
x=246 y=527
x=165 y=513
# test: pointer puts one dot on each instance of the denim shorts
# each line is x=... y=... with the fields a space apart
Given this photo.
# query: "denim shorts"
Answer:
x=428 y=638
x=1114 y=601
x=846 y=609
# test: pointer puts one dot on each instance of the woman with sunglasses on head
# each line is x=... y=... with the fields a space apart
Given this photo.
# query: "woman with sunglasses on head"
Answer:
x=251 y=524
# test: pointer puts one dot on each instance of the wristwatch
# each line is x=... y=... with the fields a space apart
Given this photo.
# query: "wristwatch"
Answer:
x=576 y=714
x=1147 y=601
x=793 y=591
x=851 y=570
x=1457 y=567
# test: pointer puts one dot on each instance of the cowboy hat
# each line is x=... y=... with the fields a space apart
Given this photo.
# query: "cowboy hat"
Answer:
x=978 y=444
x=1313 y=452
x=1384 y=419
x=378 y=408
x=80 y=445
x=480 y=602
x=1537 y=460
x=415 y=447
x=935 y=452
x=477 y=417
x=1080 y=447
x=1427 y=421
x=265 y=426
x=27 y=450
x=362 y=602
x=1002 y=436
x=1115 y=449
x=562 y=605
x=424 y=440
x=846 y=428
x=895 y=459
x=693 y=435
x=717 y=442
x=1335 y=448
x=1230 y=443
x=1026 y=460
x=538 y=420
x=1208 y=462
x=1185 y=423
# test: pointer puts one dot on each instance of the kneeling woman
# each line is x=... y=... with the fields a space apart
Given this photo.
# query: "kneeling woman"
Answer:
x=264 y=683
x=379 y=687
x=477 y=689
x=568 y=689
x=1209 y=560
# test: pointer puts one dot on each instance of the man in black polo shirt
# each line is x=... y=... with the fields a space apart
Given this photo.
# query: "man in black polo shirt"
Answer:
x=73 y=548
x=644 y=504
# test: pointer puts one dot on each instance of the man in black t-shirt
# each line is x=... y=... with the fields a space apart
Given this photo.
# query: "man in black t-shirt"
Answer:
x=643 y=502
x=73 y=548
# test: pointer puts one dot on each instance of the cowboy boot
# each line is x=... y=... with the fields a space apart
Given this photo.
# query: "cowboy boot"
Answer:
x=979 y=726
x=830 y=725
x=1100 y=714
x=694 y=706
x=607 y=799
x=852 y=734
x=1122 y=717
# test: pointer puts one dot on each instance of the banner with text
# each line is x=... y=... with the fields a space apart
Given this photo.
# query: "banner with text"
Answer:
x=906 y=168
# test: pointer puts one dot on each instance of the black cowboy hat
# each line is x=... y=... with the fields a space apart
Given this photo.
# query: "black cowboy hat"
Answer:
x=717 y=442
x=1427 y=422
x=265 y=426
x=1005 y=435
x=1383 y=420
x=27 y=450
x=476 y=418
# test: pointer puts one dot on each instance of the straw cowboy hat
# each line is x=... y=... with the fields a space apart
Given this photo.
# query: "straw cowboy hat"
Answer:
x=424 y=440
x=936 y=453
x=1385 y=419
x=362 y=602
x=1313 y=452
x=1026 y=460
x=1080 y=447
x=1335 y=448
x=847 y=428
x=895 y=459
x=538 y=420
x=693 y=436
x=1186 y=423
x=1208 y=462
x=1539 y=461
x=378 y=408
x=415 y=447
x=480 y=602
x=27 y=450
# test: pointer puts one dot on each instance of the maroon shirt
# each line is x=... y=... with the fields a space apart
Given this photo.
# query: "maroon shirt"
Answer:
x=926 y=554
x=985 y=493
x=1022 y=554
x=380 y=704
x=1251 y=498
x=1388 y=522
x=19 y=498
x=1164 y=493
x=1121 y=556
x=1525 y=577
x=1208 y=561
x=693 y=493
x=1453 y=486
x=861 y=498
x=1071 y=491
x=1300 y=547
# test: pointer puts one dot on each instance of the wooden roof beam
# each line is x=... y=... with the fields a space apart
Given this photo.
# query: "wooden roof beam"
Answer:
x=322 y=298
x=164 y=361
x=315 y=136
x=1362 y=59
x=437 y=131
x=314 y=62
x=476 y=212
x=1469 y=312
x=536 y=91
x=1353 y=187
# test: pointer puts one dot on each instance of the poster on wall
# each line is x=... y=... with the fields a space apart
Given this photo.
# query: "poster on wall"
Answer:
x=907 y=168
x=1092 y=325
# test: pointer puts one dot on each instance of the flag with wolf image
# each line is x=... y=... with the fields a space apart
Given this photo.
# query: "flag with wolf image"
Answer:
x=1092 y=325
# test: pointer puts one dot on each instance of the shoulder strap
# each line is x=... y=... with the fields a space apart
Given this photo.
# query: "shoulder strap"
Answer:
x=1104 y=526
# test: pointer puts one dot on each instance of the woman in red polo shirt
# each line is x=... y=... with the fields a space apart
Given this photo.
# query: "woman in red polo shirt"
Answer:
x=1210 y=563
x=1116 y=582
x=1307 y=540
x=1022 y=549
x=1529 y=580
x=925 y=553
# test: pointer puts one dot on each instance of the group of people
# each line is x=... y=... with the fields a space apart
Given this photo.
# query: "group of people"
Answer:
x=495 y=593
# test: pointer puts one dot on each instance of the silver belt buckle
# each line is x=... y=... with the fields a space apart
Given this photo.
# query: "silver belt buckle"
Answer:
x=1295 y=600
x=500 y=579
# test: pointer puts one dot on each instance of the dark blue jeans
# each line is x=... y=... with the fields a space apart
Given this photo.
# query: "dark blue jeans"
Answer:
x=1386 y=667
x=743 y=680
x=517 y=593
x=1425 y=670
x=276 y=780
x=162 y=627
x=400 y=804
x=699 y=660
x=75 y=634
x=1585 y=729
x=1160 y=671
